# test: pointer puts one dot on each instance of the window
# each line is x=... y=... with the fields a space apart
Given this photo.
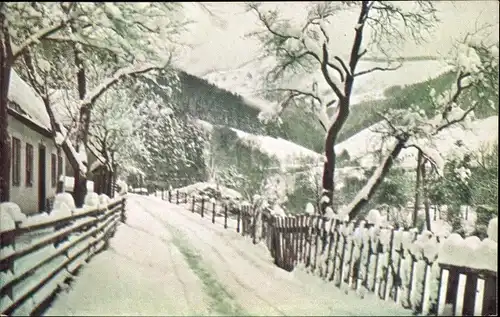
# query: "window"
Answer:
x=29 y=165
x=53 y=169
x=16 y=162
x=59 y=165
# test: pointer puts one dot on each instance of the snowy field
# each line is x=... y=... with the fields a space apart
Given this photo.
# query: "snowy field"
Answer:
x=168 y=261
x=285 y=151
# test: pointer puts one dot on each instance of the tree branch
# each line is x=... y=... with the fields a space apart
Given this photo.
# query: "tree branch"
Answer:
x=343 y=64
x=454 y=121
x=40 y=35
x=268 y=25
x=119 y=75
x=371 y=70
x=326 y=74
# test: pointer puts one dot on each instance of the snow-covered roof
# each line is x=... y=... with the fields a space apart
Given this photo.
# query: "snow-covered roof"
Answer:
x=26 y=98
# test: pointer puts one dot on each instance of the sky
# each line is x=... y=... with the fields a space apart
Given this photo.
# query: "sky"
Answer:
x=219 y=40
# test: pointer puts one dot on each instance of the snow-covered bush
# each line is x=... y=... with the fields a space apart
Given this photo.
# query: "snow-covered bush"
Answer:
x=14 y=211
x=309 y=209
x=64 y=205
x=7 y=222
x=122 y=187
x=91 y=200
x=64 y=199
x=104 y=199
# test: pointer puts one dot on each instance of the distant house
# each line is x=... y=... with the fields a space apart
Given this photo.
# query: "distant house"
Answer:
x=36 y=162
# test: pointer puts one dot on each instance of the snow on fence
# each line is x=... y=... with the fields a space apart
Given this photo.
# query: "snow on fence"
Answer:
x=39 y=253
x=429 y=274
x=422 y=272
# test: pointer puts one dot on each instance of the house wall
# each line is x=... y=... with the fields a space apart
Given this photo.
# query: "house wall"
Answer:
x=27 y=197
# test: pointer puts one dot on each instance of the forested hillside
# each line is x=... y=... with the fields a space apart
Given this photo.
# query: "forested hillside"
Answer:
x=207 y=102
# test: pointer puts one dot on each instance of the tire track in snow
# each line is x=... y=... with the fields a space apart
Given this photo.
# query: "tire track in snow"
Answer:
x=169 y=244
x=214 y=288
x=229 y=265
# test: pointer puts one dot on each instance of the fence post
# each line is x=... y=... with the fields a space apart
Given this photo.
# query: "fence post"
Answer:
x=169 y=196
x=443 y=289
x=238 y=211
x=123 y=216
x=213 y=211
x=194 y=202
x=225 y=216
x=185 y=198
x=163 y=194
x=177 y=199
x=202 y=206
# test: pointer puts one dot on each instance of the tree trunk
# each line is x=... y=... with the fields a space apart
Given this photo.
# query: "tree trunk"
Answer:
x=362 y=198
x=4 y=134
x=80 y=186
x=5 y=68
x=417 y=189
x=426 y=199
x=330 y=157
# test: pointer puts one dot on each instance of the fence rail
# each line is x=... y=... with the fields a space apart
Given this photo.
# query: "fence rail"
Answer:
x=403 y=266
x=35 y=259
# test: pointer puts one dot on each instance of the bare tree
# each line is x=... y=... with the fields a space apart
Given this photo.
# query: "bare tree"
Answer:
x=310 y=47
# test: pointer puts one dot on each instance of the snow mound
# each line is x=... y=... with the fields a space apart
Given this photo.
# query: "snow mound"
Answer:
x=69 y=183
x=470 y=252
x=329 y=214
x=278 y=211
x=202 y=187
x=14 y=211
x=104 y=199
x=64 y=199
x=309 y=209
x=7 y=222
x=91 y=200
x=486 y=256
x=493 y=229
x=374 y=217
x=122 y=185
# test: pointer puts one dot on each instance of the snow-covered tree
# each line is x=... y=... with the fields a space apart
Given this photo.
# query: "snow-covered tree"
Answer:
x=308 y=46
x=106 y=43
x=474 y=62
x=114 y=130
x=22 y=25
x=175 y=145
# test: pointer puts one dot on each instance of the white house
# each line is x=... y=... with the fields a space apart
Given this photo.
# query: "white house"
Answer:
x=36 y=163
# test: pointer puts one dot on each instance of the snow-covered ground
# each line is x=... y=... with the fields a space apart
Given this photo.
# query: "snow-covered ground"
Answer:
x=478 y=134
x=285 y=151
x=168 y=261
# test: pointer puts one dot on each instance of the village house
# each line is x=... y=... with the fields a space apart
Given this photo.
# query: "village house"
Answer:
x=36 y=162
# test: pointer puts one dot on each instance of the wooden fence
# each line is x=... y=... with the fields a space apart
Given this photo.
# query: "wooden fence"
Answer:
x=402 y=266
x=36 y=259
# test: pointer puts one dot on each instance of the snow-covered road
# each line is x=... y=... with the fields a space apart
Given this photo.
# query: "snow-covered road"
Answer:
x=168 y=261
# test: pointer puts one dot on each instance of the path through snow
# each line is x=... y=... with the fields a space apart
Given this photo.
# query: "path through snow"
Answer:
x=168 y=261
